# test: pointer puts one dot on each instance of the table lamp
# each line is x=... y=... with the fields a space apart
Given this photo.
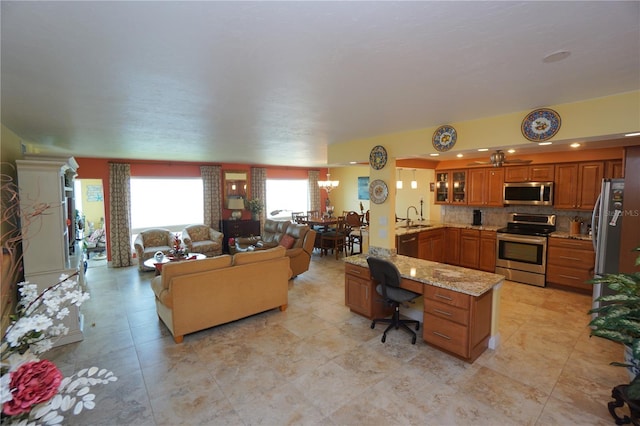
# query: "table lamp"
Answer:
x=237 y=205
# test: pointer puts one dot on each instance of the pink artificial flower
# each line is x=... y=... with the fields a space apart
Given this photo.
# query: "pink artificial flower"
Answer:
x=31 y=384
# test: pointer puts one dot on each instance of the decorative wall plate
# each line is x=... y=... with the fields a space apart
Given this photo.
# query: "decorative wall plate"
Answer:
x=541 y=124
x=378 y=191
x=378 y=157
x=444 y=138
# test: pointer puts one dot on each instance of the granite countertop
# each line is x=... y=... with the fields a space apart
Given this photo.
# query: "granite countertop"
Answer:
x=559 y=234
x=427 y=226
x=462 y=280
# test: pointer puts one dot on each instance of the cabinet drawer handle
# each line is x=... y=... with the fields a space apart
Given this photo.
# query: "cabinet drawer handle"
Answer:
x=366 y=293
x=355 y=271
x=409 y=240
x=444 y=336
x=442 y=312
x=569 y=276
x=569 y=258
x=443 y=297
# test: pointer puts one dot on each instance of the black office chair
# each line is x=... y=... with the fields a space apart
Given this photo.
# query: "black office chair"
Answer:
x=387 y=274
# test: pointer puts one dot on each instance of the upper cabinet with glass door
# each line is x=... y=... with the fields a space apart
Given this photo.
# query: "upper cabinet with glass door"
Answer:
x=451 y=187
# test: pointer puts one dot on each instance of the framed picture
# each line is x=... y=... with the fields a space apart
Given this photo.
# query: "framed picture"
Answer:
x=363 y=187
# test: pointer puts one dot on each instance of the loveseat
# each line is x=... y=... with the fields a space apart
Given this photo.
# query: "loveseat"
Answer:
x=198 y=294
x=202 y=239
x=150 y=241
x=297 y=239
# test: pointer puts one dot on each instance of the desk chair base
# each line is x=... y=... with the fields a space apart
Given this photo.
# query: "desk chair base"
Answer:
x=396 y=322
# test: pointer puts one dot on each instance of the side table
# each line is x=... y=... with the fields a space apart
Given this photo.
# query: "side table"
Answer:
x=238 y=228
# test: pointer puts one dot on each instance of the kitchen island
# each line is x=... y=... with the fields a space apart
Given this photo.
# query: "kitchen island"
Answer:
x=460 y=305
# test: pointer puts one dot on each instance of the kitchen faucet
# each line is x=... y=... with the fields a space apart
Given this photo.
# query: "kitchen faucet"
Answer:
x=409 y=208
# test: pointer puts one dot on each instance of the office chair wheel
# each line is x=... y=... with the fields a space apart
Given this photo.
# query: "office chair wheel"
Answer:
x=417 y=326
x=384 y=338
x=413 y=340
x=373 y=324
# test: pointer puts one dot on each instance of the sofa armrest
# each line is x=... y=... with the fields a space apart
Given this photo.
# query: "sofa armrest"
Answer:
x=216 y=236
x=186 y=238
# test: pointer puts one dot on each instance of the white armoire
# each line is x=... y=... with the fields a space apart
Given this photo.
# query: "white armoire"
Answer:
x=47 y=211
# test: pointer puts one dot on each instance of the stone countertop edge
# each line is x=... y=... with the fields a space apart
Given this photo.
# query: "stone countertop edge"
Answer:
x=428 y=226
x=468 y=281
x=559 y=234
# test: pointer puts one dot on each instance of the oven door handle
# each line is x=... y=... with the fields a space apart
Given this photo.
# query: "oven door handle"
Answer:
x=529 y=240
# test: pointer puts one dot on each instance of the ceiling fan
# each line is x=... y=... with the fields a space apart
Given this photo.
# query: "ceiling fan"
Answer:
x=498 y=159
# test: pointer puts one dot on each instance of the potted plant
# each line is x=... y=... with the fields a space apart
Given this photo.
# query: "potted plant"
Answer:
x=618 y=319
x=255 y=207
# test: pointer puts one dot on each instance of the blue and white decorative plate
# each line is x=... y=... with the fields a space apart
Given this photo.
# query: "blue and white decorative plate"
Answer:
x=541 y=124
x=378 y=157
x=378 y=191
x=444 y=138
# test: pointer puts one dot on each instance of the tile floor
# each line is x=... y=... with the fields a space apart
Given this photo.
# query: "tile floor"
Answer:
x=319 y=364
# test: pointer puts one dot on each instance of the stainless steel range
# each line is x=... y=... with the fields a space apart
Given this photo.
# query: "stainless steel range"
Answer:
x=521 y=249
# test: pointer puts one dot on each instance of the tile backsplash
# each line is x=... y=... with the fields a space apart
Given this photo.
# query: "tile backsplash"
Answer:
x=498 y=216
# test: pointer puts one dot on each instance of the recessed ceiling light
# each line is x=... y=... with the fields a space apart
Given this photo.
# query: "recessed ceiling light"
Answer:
x=633 y=134
x=459 y=155
x=574 y=145
x=545 y=143
x=556 y=56
x=435 y=154
x=483 y=149
x=511 y=151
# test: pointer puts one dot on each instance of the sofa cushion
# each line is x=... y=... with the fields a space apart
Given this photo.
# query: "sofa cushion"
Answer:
x=160 y=284
x=246 y=257
x=287 y=241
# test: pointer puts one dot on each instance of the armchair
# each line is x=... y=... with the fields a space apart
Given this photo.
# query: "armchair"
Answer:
x=203 y=239
x=149 y=241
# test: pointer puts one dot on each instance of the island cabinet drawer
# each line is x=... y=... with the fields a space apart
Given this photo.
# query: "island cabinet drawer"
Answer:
x=571 y=244
x=447 y=312
x=446 y=334
x=411 y=285
x=446 y=296
x=358 y=271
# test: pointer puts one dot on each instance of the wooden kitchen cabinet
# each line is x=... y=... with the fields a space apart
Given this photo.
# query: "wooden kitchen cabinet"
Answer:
x=577 y=185
x=470 y=248
x=487 y=260
x=431 y=245
x=570 y=263
x=613 y=169
x=485 y=187
x=533 y=173
x=450 y=187
x=360 y=293
x=456 y=322
x=452 y=246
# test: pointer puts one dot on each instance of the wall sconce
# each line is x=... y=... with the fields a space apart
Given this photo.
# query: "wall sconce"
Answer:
x=414 y=182
x=399 y=181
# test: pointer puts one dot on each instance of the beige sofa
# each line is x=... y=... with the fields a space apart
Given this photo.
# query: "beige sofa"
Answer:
x=299 y=247
x=199 y=294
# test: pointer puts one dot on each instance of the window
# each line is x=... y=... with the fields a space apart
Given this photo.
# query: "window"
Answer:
x=285 y=196
x=166 y=202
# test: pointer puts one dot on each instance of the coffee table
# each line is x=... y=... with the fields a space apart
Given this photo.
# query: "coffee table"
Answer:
x=157 y=265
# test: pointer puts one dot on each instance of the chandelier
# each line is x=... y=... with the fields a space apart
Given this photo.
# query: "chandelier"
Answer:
x=328 y=185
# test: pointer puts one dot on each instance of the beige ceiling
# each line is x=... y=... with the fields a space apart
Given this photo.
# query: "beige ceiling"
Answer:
x=275 y=83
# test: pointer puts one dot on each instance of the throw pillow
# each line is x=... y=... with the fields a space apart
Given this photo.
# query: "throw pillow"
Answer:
x=287 y=241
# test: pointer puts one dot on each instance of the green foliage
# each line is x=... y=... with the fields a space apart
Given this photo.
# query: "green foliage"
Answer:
x=254 y=205
x=618 y=316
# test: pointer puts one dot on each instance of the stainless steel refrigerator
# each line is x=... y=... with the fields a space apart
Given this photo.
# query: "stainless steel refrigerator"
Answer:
x=606 y=224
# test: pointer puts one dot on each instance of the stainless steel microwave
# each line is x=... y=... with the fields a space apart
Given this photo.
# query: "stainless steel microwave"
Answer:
x=528 y=193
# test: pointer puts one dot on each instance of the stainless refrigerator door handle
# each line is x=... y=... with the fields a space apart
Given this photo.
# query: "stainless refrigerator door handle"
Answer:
x=594 y=222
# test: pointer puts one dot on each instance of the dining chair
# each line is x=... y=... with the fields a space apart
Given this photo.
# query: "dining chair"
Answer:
x=335 y=239
x=354 y=233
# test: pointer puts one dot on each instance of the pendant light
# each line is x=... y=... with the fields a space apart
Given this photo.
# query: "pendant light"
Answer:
x=399 y=181
x=414 y=182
